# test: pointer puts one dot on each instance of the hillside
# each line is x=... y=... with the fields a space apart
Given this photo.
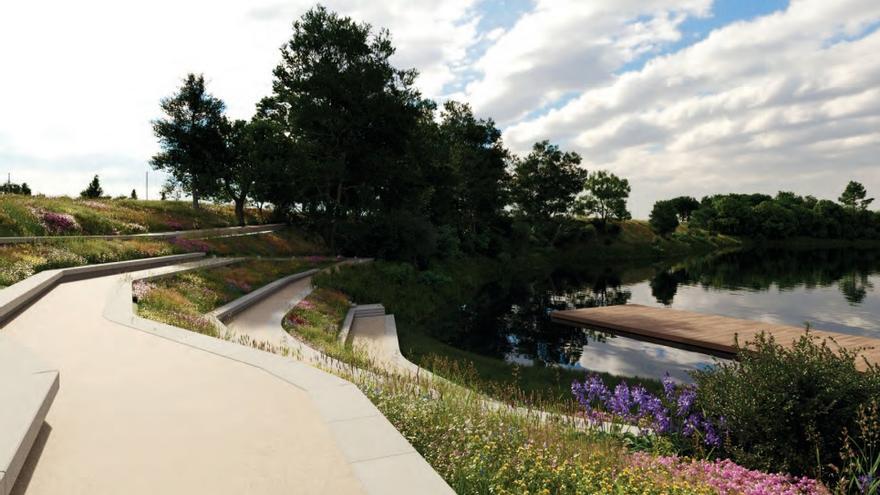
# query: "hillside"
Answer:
x=40 y=215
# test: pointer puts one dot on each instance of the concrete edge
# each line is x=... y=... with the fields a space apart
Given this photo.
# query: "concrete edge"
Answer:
x=247 y=229
x=20 y=295
x=345 y=329
x=380 y=457
x=35 y=386
x=216 y=263
x=244 y=302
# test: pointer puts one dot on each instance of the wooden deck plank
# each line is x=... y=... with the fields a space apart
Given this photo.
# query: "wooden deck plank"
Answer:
x=712 y=334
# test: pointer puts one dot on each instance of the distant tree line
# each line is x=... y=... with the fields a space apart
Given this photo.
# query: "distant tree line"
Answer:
x=782 y=216
x=13 y=188
x=347 y=146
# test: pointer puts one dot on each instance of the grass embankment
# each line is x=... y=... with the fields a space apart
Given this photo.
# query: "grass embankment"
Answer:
x=19 y=261
x=634 y=239
x=43 y=216
x=183 y=299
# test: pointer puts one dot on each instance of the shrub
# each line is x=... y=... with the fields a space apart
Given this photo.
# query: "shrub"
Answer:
x=787 y=408
x=664 y=218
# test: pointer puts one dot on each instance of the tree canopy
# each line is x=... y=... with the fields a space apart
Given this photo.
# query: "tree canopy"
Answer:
x=93 y=190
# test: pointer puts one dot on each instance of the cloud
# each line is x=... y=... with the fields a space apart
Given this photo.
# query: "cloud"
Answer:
x=786 y=101
x=85 y=81
x=569 y=45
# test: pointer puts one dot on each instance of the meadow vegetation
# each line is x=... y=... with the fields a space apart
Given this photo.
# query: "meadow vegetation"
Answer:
x=41 y=216
x=184 y=299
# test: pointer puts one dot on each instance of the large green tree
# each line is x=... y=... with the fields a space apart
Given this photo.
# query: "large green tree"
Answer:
x=545 y=182
x=469 y=180
x=854 y=197
x=193 y=148
x=605 y=196
x=350 y=113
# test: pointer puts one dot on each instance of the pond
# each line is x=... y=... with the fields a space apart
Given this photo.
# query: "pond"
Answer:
x=832 y=289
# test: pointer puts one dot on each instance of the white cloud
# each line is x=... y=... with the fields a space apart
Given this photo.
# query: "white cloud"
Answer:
x=787 y=101
x=82 y=80
x=570 y=45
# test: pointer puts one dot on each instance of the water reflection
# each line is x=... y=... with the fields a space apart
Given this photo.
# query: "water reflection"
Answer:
x=831 y=289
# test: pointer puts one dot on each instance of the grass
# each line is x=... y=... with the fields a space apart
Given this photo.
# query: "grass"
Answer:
x=40 y=215
x=317 y=320
x=19 y=261
x=634 y=239
x=284 y=243
x=183 y=299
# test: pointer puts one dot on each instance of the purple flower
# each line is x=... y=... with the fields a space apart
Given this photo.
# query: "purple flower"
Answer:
x=864 y=482
x=686 y=398
x=668 y=386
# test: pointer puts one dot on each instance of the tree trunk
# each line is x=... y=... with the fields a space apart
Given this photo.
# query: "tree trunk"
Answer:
x=195 y=195
x=239 y=211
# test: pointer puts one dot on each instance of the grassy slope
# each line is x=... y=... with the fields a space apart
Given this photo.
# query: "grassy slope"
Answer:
x=636 y=240
x=26 y=216
x=185 y=298
x=19 y=261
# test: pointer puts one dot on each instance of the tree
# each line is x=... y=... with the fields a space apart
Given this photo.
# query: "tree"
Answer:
x=134 y=194
x=684 y=207
x=469 y=177
x=25 y=189
x=256 y=150
x=351 y=114
x=664 y=217
x=545 y=182
x=191 y=138
x=853 y=197
x=93 y=190
x=605 y=196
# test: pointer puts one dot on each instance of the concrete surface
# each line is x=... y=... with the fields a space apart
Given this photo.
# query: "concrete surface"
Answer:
x=140 y=414
x=27 y=386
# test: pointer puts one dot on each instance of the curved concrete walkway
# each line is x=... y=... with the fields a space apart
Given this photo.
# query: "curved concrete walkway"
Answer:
x=262 y=321
x=141 y=414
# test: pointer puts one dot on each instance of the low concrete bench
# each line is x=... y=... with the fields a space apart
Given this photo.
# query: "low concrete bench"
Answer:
x=27 y=389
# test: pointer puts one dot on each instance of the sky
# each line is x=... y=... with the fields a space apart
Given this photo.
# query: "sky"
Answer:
x=688 y=97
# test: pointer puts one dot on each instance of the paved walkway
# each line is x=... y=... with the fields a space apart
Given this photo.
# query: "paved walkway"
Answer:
x=141 y=414
x=262 y=321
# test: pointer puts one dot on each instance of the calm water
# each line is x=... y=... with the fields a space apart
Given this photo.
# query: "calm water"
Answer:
x=831 y=289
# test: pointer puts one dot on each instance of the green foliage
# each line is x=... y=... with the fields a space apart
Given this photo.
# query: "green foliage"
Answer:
x=854 y=197
x=191 y=138
x=684 y=207
x=93 y=190
x=605 y=196
x=664 y=217
x=12 y=188
x=787 y=407
x=545 y=183
x=789 y=215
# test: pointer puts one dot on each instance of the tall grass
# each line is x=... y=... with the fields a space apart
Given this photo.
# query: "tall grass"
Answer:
x=33 y=216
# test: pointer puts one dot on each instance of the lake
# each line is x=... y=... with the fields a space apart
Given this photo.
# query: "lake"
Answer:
x=831 y=289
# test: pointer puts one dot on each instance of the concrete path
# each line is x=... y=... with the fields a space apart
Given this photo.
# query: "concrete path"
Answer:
x=262 y=321
x=141 y=414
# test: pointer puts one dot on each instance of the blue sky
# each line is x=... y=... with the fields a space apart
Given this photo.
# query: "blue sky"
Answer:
x=679 y=96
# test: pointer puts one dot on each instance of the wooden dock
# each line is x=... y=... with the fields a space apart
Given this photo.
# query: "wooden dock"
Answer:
x=710 y=334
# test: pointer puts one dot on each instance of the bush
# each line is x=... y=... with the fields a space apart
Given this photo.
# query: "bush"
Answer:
x=664 y=218
x=787 y=408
